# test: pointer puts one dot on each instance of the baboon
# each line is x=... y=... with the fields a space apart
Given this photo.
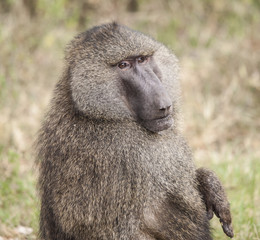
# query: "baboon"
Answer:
x=112 y=161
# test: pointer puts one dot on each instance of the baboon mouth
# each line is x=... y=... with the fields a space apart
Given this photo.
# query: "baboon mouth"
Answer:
x=158 y=124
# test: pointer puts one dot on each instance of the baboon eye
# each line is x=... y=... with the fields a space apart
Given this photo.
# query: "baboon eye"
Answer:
x=142 y=59
x=123 y=64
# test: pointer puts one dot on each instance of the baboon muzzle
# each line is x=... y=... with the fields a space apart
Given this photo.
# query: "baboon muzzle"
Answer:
x=149 y=100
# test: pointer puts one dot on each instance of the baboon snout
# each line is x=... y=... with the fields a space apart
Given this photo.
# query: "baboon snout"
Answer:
x=157 y=115
x=145 y=93
x=162 y=104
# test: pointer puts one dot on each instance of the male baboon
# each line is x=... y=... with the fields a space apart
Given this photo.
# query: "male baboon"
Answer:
x=107 y=170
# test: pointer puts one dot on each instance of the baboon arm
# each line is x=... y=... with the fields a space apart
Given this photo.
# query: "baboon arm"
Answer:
x=215 y=198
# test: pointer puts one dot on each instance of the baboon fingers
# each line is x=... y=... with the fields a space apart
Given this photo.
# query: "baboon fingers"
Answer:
x=227 y=228
x=225 y=219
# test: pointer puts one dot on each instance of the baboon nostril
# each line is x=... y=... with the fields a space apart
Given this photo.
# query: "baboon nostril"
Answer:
x=167 y=108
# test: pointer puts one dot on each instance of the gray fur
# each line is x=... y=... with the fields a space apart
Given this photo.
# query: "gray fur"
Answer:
x=102 y=174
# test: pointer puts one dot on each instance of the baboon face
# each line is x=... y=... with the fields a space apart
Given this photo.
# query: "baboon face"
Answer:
x=120 y=74
x=144 y=92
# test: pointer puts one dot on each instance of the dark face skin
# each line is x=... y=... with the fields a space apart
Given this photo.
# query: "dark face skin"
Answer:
x=144 y=92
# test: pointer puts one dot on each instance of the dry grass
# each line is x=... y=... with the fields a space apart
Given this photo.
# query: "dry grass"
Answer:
x=218 y=44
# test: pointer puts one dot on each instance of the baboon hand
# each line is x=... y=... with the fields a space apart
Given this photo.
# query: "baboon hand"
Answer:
x=215 y=199
x=222 y=211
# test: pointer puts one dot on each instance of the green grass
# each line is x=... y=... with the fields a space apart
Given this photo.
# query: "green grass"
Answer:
x=18 y=201
x=241 y=177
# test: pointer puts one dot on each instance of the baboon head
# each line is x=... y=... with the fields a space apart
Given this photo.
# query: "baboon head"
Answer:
x=120 y=74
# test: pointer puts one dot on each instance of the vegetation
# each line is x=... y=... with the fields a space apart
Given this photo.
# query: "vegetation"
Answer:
x=218 y=44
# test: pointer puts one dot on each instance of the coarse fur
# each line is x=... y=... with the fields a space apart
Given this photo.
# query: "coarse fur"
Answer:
x=103 y=175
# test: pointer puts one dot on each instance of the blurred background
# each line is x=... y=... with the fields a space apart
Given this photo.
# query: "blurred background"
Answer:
x=218 y=45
